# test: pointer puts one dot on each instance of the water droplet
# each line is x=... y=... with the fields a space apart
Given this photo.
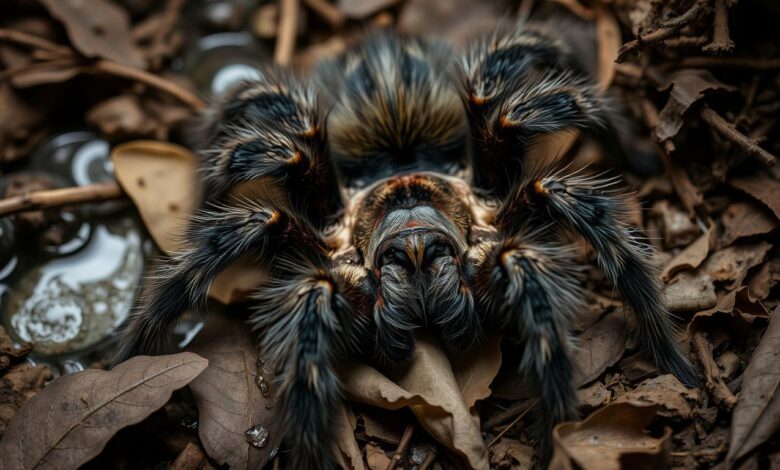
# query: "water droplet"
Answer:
x=257 y=436
x=265 y=390
x=189 y=422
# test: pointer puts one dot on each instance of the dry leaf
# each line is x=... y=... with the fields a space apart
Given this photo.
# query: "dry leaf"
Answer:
x=70 y=421
x=667 y=392
x=731 y=318
x=510 y=454
x=17 y=385
x=734 y=262
x=745 y=220
x=601 y=346
x=687 y=87
x=690 y=257
x=594 y=395
x=160 y=178
x=97 y=28
x=191 y=458
x=690 y=291
x=229 y=395
x=436 y=394
x=763 y=188
x=349 y=455
x=612 y=438
x=757 y=414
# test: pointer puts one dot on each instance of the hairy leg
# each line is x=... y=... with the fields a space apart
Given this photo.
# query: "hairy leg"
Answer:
x=519 y=85
x=529 y=289
x=593 y=208
x=216 y=237
x=271 y=131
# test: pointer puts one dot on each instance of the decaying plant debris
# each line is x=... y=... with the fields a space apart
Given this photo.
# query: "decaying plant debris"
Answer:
x=700 y=81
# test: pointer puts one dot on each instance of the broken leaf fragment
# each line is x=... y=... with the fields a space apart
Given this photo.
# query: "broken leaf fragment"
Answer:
x=440 y=398
x=612 y=438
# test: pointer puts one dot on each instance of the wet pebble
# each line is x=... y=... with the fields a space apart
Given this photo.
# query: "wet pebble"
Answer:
x=257 y=436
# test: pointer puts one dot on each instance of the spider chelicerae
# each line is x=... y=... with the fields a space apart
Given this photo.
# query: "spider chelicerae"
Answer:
x=389 y=193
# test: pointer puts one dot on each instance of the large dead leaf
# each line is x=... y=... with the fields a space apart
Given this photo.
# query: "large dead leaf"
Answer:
x=349 y=455
x=97 y=28
x=232 y=397
x=612 y=438
x=70 y=421
x=160 y=178
x=763 y=188
x=742 y=220
x=440 y=393
x=601 y=346
x=757 y=414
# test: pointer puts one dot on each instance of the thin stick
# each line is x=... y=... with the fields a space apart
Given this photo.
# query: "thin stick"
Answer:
x=399 y=452
x=30 y=40
x=751 y=63
x=154 y=81
x=288 y=30
x=667 y=30
x=728 y=131
x=515 y=421
x=52 y=198
x=721 y=39
x=328 y=11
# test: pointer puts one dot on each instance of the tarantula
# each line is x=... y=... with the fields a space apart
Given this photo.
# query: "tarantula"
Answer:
x=389 y=193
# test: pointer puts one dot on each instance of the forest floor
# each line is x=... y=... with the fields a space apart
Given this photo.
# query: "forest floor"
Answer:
x=699 y=81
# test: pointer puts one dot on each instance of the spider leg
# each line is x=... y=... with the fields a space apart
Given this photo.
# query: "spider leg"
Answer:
x=307 y=320
x=518 y=86
x=592 y=207
x=530 y=290
x=271 y=131
x=216 y=237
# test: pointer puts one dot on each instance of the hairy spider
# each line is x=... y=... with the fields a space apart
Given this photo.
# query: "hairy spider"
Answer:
x=389 y=193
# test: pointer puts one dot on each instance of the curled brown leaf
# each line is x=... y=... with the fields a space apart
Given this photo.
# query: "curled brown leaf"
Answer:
x=70 y=421
x=231 y=396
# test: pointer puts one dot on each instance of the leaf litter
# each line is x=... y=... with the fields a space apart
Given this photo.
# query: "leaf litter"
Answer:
x=704 y=123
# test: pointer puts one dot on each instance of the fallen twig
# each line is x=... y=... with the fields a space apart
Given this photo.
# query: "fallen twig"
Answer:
x=328 y=12
x=514 y=421
x=31 y=40
x=715 y=385
x=728 y=131
x=287 y=32
x=154 y=81
x=750 y=63
x=667 y=30
x=399 y=452
x=52 y=198
x=721 y=39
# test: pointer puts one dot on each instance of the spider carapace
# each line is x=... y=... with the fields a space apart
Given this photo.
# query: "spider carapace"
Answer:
x=388 y=192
